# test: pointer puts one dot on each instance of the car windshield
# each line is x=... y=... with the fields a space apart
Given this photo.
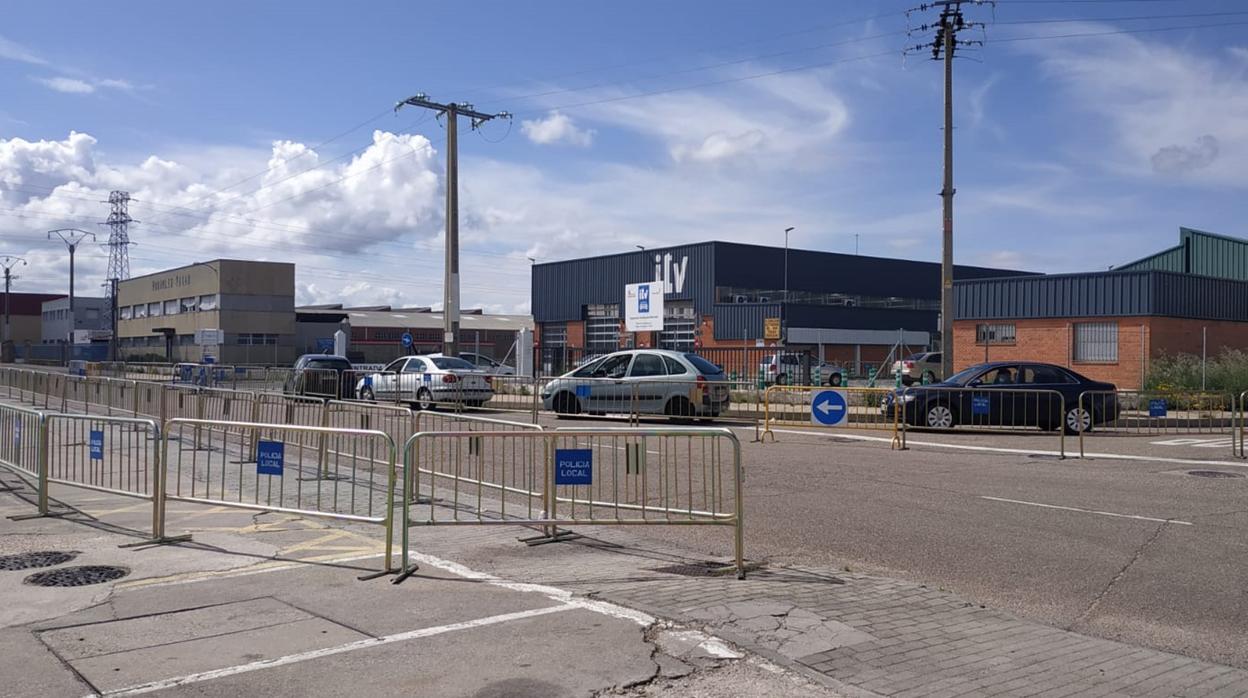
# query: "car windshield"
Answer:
x=704 y=367
x=447 y=363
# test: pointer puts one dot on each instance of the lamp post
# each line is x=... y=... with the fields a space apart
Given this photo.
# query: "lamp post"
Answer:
x=786 y=262
x=8 y=262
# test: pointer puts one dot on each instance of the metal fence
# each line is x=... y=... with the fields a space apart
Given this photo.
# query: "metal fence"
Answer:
x=988 y=409
x=862 y=408
x=21 y=432
x=345 y=474
x=591 y=477
x=1156 y=413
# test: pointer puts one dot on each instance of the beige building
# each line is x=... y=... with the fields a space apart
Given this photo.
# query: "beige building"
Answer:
x=252 y=304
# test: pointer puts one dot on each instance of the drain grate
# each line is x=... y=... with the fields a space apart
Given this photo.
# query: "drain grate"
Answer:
x=80 y=576
x=699 y=569
x=1213 y=473
x=38 y=558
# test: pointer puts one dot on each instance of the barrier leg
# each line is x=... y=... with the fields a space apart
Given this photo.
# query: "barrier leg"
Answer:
x=41 y=455
x=551 y=533
x=159 y=490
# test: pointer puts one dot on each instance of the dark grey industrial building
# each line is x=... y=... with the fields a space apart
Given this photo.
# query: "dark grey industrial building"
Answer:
x=849 y=309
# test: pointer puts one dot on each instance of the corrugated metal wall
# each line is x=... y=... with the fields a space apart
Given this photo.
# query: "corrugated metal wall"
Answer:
x=1103 y=294
x=742 y=320
x=1199 y=253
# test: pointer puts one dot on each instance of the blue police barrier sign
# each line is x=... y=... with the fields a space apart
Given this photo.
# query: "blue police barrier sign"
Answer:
x=574 y=466
x=981 y=405
x=829 y=408
x=1157 y=407
x=406 y=339
x=270 y=457
x=582 y=390
x=96 y=442
x=368 y=381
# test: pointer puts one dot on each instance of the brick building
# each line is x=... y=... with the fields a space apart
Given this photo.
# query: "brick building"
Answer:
x=1188 y=299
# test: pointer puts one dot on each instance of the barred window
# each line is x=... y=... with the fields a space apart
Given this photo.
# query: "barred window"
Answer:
x=999 y=333
x=1096 y=342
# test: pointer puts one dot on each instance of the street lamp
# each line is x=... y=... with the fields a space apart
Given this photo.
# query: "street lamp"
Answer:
x=8 y=262
x=786 y=262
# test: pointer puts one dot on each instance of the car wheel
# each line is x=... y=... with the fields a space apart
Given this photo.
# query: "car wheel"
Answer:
x=678 y=407
x=424 y=399
x=940 y=416
x=565 y=403
x=929 y=377
x=1078 y=420
x=835 y=380
x=782 y=379
x=367 y=394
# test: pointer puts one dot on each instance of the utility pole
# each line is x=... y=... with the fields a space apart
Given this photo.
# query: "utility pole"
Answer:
x=119 y=221
x=8 y=262
x=943 y=47
x=450 y=283
x=71 y=237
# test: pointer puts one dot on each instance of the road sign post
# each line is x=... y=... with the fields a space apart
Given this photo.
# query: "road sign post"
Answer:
x=829 y=408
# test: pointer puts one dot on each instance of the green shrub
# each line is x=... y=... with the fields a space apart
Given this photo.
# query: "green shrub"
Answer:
x=1225 y=373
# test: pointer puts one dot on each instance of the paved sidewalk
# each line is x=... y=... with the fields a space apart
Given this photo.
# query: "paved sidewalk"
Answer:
x=861 y=634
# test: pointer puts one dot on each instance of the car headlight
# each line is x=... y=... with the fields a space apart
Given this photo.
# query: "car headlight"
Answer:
x=908 y=397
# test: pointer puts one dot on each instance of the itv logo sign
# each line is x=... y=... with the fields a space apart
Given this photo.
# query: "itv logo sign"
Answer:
x=643 y=299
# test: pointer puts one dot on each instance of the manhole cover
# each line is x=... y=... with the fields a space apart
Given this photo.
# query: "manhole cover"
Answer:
x=1213 y=473
x=38 y=558
x=80 y=576
x=699 y=569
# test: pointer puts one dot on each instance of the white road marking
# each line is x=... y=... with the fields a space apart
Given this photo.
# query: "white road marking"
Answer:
x=1022 y=451
x=1088 y=511
x=329 y=651
x=1197 y=443
x=193 y=577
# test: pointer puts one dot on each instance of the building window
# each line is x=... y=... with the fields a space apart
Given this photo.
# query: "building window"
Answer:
x=155 y=309
x=139 y=311
x=554 y=334
x=602 y=328
x=999 y=333
x=171 y=307
x=126 y=313
x=208 y=302
x=1096 y=342
x=680 y=325
x=255 y=339
x=190 y=305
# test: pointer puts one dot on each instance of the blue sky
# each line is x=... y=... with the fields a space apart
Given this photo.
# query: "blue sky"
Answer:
x=637 y=123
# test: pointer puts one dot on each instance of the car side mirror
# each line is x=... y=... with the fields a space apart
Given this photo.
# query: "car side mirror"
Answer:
x=599 y=373
x=975 y=383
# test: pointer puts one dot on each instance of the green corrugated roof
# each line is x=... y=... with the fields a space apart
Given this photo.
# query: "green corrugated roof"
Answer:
x=1200 y=253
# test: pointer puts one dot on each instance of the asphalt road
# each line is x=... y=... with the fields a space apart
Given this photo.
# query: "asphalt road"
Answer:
x=1052 y=540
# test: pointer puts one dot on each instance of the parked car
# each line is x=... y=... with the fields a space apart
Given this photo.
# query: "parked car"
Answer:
x=651 y=381
x=923 y=367
x=784 y=368
x=996 y=394
x=320 y=375
x=485 y=363
x=428 y=380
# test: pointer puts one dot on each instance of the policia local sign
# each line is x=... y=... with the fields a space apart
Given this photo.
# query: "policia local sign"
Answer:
x=643 y=307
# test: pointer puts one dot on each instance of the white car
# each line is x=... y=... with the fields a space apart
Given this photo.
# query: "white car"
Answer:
x=485 y=363
x=426 y=381
x=790 y=369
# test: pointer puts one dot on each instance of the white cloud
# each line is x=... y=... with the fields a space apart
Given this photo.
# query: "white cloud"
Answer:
x=1154 y=100
x=68 y=85
x=720 y=146
x=13 y=51
x=556 y=128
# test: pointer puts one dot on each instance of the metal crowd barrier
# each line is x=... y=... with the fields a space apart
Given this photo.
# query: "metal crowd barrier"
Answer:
x=1157 y=413
x=346 y=474
x=590 y=477
x=980 y=408
x=21 y=431
x=790 y=405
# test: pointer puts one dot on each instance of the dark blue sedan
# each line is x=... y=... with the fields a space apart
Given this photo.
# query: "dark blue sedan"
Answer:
x=1008 y=393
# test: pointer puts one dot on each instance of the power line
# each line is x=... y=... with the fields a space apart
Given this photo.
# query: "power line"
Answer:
x=1142 y=30
x=1135 y=18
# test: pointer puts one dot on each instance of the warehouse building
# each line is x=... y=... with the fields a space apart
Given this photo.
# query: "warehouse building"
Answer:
x=90 y=316
x=722 y=299
x=376 y=332
x=231 y=311
x=1188 y=299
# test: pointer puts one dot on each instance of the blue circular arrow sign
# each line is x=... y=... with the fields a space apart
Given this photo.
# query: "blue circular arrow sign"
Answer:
x=406 y=339
x=829 y=408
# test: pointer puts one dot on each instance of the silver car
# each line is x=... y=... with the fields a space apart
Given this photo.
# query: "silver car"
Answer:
x=790 y=369
x=642 y=381
x=923 y=367
x=485 y=363
x=425 y=381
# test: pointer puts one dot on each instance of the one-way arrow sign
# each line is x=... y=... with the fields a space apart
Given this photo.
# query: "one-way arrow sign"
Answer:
x=829 y=408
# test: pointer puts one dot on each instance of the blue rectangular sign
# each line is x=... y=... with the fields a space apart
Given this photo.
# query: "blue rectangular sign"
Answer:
x=96 y=442
x=574 y=466
x=1157 y=407
x=582 y=391
x=643 y=299
x=980 y=404
x=270 y=457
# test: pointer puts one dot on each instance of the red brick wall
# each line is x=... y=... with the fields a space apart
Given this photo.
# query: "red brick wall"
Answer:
x=1182 y=336
x=1050 y=341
